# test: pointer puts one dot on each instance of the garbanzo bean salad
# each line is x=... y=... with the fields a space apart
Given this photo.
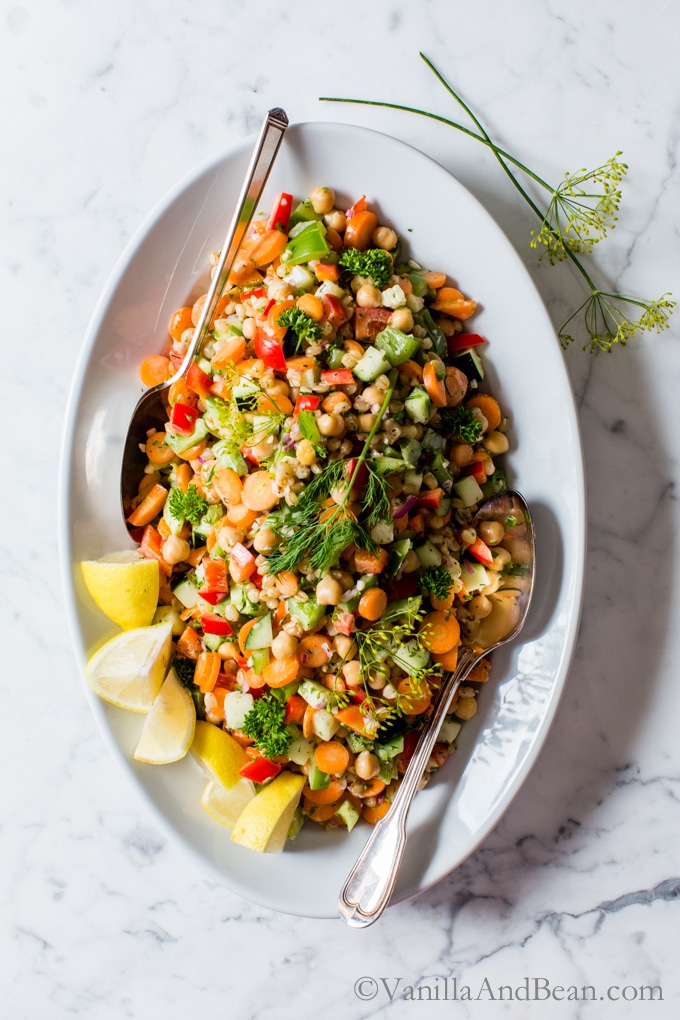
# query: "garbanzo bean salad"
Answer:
x=309 y=504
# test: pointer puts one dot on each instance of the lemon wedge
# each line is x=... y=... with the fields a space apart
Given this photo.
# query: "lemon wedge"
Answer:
x=169 y=727
x=265 y=821
x=225 y=806
x=125 y=586
x=129 y=669
x=218 y=754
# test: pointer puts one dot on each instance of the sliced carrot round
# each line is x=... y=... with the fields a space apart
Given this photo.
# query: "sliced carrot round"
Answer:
x=416 y=700
x=155 y=369
x=374 y=814
x=436 y=390
x=240 y=515
x=373 y=604
x=331 y=757
x=332 y=793
x=314 y=650
x=280 y=672
x=440 y=631
x=489 y=407
x=157 y=450
x=227 y=484
x=180 y=321
x=259 y=492
x=447 y=660
x=232 y=351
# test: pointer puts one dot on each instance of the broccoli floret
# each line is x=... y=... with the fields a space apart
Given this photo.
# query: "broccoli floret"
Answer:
x=374 y=263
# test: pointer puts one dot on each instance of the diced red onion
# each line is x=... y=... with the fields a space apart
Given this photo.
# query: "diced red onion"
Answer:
x=403 y=510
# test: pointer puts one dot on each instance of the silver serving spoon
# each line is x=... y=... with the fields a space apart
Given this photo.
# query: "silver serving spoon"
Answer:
x=370 y=883
x=150 y=412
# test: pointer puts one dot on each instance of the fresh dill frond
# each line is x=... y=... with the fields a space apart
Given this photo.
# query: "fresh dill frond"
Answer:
x=264 y=724
x=578 y=217
x=303 y=325
x=608 y=324
x=376 y=498
x=462 y=422
x=187 y=506
x=374 y=263
x=436 y=581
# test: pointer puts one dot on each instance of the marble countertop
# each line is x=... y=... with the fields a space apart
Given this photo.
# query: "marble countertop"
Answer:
x=102 y=916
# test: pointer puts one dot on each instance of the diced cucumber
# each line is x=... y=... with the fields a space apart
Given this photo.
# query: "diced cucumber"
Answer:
x=443 y=508
x=187 y=593
x=496 y=483
x=388 y=771
x=296 y=824
x=260 y=634
x=228 y=455
x=212 y=641
x=383 y=532
x=181 y=443
x=373 y=364
x=448 y=730
x=398 y=552
x=367 y=581
x=390 y=749
x=284 y=693
x=467 y=490
x=410 y=656
x=411 y=451
x=397 y=346
x=324 y=724
x=308 y=613
x=429 y=555
x=300 y=750
x=418 y=405
x=348 y=813
x=440 y=468
x=174 y=523
x=469 y=361
x=236 y=708
x=244 y=392
x=303 y=213
x=357 y=743
x=318 y=780
x=329 y=287
x=389 y=465
x=473 y=576
x=315 y=694
x=414 y=479
x=238 y=596
x=260 y=659
x=433 y=440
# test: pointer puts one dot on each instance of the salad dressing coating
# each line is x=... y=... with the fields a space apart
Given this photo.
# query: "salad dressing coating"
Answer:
x=309 y=504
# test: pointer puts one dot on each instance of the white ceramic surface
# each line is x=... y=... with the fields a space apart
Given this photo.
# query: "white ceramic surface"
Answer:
x=444 y=227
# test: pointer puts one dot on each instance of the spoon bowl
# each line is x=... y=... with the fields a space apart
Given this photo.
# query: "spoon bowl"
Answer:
x=489 y=625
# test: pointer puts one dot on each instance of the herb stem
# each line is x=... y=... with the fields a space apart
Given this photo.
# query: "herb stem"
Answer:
x=394 y=374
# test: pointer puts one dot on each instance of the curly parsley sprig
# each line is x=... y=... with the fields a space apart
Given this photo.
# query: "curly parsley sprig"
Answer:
x=575 y=219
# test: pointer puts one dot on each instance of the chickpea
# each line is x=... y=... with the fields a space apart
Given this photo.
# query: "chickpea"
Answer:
x=491 y=532
x=480 y=606
x=328 y=591
x=496 y=443
x=402 y=318
x=284 y=645
x=336 y=220
x=368 y=296
x=323 y=200
x=372 y=397
x=228 y=536
x=466 y=708
x=501 y=558
x=249 y=328
x=305 y=452
x=330 y=425
x=411 y=562
x=351 y=671
x=367 y=765
x=265 y=449
x=384 y=237
x=367 y=421
x=344 y=646
x=266 y=540
x=175 y=549
x=279 y=290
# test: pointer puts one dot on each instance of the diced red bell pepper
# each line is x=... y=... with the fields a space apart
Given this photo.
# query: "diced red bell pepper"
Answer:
x=344 y=623
x=333 y=310
x=404 y=586
x=249 y=455
x=268 y=307
x=215 y=575
x=295 y=709
x=269 y=350
x=183 y=418
x=242 y=562
x=214 y=624
x=481 y=552
x=338 y=376
x=212 y=597
x=306 y=402
x=358 y=695
x=430 y=500
x=259 y=770
x=327 y=271
x=257 y=579
x=198 y=380
x=461 y=342
x=404 y=757
x=358 y=206
x=152 y=547
x=368 y=322
x=280 y=215
x=477 y=471
x=362 y=473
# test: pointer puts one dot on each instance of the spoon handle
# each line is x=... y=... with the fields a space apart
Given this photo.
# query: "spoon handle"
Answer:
x=261 y=162
x=370 y=883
